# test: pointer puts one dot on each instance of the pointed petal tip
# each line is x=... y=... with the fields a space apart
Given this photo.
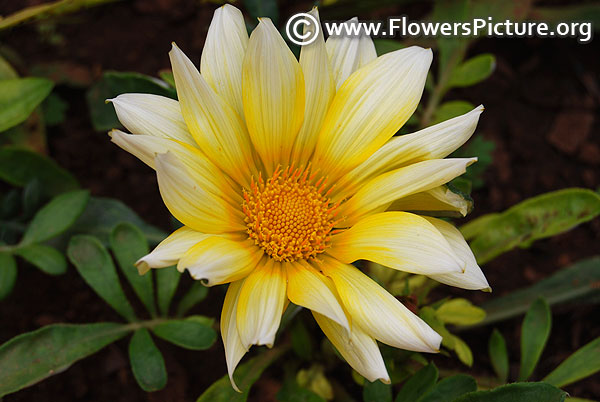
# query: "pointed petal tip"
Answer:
x=487 y=290
x=142 y=266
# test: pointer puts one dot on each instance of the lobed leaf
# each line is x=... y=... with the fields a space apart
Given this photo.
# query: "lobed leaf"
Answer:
x=450 y=388
x=517 y=392
x=147 y=363
x=189 y=334
x=167 y=280
x=47 y=259
x=418 y=385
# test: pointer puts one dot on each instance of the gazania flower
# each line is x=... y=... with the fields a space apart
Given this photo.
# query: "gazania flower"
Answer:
x=284 y=172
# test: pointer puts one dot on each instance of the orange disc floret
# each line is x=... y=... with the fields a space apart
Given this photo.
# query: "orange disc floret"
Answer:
x=289 y=216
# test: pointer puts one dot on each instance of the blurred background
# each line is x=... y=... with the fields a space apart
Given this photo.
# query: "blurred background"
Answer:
x=540 y=132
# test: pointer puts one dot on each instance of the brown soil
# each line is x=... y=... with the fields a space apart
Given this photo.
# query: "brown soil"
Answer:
x=541 y=111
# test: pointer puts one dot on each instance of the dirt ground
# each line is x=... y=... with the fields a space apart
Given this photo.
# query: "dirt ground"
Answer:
x=541 y=105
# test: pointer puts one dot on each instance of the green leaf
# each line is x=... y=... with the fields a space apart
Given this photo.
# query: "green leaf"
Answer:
x=292 y=392
x=473 y=71
x=32 y=198
x=460 y=312
x=451 y=109
x=56 y=216
x=6 y=70
x=481 y=148
x=451 y=388
x=31 y=357
x=581 y=364
x=574 y=282
x=53 y=109
x=147 y=363
x=534 y=335
x=301 y=340
x=47 y=259
x=102 y=214
x=536 y=218
x=419 y=384
x=189 y=334
x=167 y=76
x=193 y=296
x=377 y=392
x=518 y=392
x=262 y=8
x=462 y=350
x=19 y=97
x=8 y=274
x=96 y=267
x=129 y=244
x=383 y=46
x=498 y=355
x=19 y=167
x=114 y=83
x=167 y=280
x=245 y=375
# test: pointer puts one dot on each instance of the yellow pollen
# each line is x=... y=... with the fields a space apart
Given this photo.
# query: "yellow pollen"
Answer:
x=289 y=216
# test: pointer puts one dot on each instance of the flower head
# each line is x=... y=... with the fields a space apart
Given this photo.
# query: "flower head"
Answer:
x=284 y=172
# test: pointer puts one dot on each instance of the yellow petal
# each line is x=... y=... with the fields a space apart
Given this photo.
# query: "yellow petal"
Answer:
x=440 y=200
x=398 y=240
x=217 y=260
x=348 y=53
x=170 y=250
x=153 y=115
x=273 y=95
x=399 y=183
x=234 y=350
x=260 y=304
x=473 y=278
x=223 y=55
x=379 y=313
x=189 y=198
x=359 y=349
x=216 y=127
x=319 y=89
x=435 y=142
x=371 y=105
x=309 y=288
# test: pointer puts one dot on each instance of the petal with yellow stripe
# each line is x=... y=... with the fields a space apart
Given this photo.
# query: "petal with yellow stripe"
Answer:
x=216 y=127
x=358 y=348
x=390 y=186
x=473 y=278
x=319 y=89
x=370 y=107
x=380 y=314
x=309 y=288
x=273 y=95
x=223 y=55
x=439 y=201
x=217 y=260
x=152 y=115
x=189 y=198
x=170 y=250
x=260 y=304
x=398 y=240
x=234 y=349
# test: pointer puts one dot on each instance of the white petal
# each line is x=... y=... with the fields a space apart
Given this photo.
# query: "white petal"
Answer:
x=441 y=201
x=234 y=350
x=153 y=115
x=473 y=278
x=309 y=288
x=359 y=349
x=170 y=250
x=398 y=240
x=217 y=260
x=390 y=186
x=379 y=313
x=223 y=55
x=260 y=304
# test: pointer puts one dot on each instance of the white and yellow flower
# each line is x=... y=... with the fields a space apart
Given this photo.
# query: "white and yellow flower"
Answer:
x=284 y=172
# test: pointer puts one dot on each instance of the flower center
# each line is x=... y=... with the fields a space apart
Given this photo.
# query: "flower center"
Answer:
x=289 y=216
